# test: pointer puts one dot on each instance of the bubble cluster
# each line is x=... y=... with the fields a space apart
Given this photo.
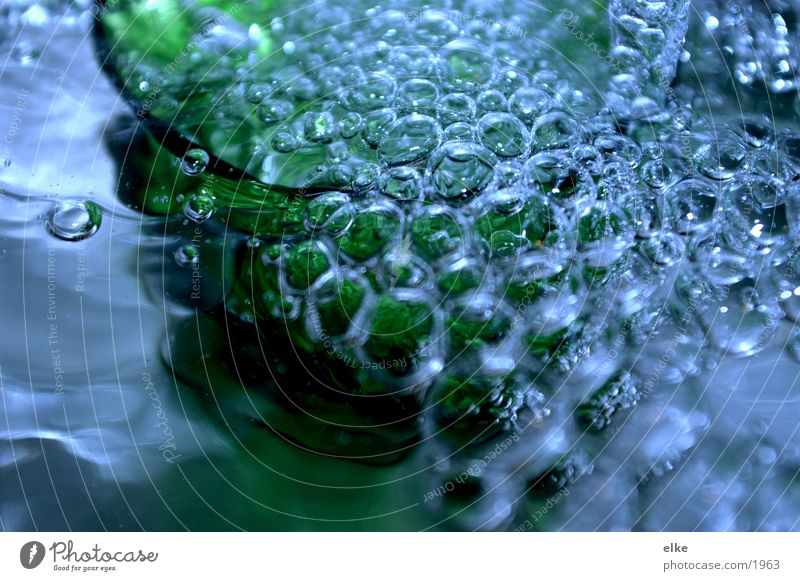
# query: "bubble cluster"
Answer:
x=759 y=40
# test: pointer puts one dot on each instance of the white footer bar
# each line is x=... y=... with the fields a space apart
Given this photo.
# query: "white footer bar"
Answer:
x=380 y=556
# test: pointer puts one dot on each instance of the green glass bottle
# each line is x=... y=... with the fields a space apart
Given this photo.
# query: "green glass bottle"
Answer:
x=416 y=190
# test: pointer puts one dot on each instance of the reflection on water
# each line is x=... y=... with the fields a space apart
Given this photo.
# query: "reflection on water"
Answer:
x=122 y=398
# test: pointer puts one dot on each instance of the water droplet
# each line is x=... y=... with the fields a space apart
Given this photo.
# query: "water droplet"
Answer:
x=74 y=221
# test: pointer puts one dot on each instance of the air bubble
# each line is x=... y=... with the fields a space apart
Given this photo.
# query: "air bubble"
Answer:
x=460 y=131
x=320 y=127
x=331 y=212
x=460 y=170
x=504 y=134
x=694 y=205
x=285 y=140
x=758 y=211
x=376 y=91
x=560 y=179
x=468 y=65
x=274 y=110
x=554 y=130
x=455 y=107
x=350 y=125
x=490 y=101
x=529 y=103
x=187 y=254
x=402 y=184
x=199 y=208
x=720 y=157
x=194 y=162
x=417 y=96
x=409 y=138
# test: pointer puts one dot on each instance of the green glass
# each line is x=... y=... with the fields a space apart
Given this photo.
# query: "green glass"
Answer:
x=333 y=148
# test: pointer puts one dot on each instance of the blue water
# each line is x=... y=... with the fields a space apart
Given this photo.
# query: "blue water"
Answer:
x=96 y=433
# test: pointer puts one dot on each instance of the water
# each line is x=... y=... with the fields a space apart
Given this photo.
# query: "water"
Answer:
x=479 y=294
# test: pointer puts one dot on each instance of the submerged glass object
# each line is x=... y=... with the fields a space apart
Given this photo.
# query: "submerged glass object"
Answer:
x=476 y=214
